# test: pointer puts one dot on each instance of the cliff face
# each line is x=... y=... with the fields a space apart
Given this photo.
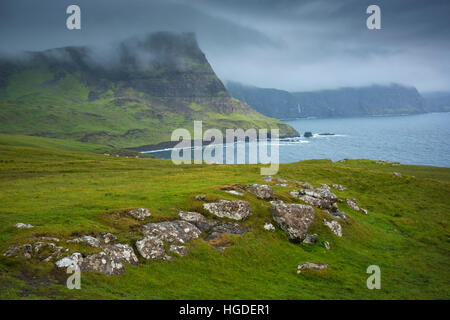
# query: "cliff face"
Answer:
x=372 y=100
x=136 y=95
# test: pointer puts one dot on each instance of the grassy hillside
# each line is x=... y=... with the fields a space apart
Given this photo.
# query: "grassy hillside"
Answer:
x=63 y=192
x=129 y=102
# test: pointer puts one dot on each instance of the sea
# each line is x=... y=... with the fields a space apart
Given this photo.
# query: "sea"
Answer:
x=422 y=139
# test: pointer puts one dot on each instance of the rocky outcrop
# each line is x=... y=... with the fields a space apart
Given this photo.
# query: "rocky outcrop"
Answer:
x=294 y=219
x=334 y=226
x=312 y=266
x=236 y=209
x=262 y=191
x=139 y=214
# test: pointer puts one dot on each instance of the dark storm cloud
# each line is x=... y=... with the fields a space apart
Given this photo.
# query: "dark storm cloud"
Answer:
x=287 y=44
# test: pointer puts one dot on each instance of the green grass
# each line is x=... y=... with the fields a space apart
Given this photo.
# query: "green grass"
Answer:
x=65 y=188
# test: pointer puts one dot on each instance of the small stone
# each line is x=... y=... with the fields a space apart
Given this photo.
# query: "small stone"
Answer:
x=352 y=204
x=262 y=191
x=398 y=174
x=234 y=192
x=311 y=238
x=312 y=266
x=338 y=187
x=334 y=226
x=282 y=184
x=107 y=237
x=139 y=214
x=89 y=240
x=50 y=239
x=268 y=179
x=269 y=227
x=364 y=211
x=200 y=197
x=327 y=245
x=180 y=250
x=21 y=225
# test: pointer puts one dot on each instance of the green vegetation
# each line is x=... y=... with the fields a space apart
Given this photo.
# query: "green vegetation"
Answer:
x=64 y=189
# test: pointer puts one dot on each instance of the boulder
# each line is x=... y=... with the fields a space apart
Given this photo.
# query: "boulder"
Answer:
x=237 y=209
x=294 y=219
x=308 y=134
x=151 y=248
x=198 y=220
x=176 y=231
x=262 y=191
x=139 y=214
x=352 y=204
x=312 y=266
x=21 y=225
x=269 y=227
x=334 y=226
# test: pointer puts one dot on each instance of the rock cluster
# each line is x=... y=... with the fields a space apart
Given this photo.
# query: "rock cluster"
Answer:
x=321 y=197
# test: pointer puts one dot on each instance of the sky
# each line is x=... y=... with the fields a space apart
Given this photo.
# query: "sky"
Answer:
x=295 y=45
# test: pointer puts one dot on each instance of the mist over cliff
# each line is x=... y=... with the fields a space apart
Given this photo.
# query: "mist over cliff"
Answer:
x=357 y=101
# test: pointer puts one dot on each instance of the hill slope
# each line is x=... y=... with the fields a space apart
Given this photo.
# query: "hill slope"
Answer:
x=134 y=96
x=65 y=194
x=373 y=100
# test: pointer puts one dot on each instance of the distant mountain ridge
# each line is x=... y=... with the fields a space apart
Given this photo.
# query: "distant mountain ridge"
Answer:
x=135 y=95
x=371 y=100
